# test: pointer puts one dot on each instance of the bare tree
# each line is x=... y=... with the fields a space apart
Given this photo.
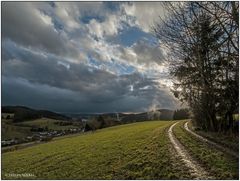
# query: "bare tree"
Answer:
x=202 y=41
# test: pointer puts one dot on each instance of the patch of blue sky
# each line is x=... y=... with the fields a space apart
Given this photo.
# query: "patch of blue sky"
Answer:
x=151 y=40
x=93 y=62
x=113 y=6
x=113 y=66
x=56 y=22
x=130 y=35
x=87 y=18
x=119 y=68
x=129 y=69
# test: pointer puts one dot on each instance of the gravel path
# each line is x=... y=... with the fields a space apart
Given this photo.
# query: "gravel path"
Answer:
x=196 y=171
x=220 y=147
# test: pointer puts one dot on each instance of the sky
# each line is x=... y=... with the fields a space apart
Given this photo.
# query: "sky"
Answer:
x=84 y=57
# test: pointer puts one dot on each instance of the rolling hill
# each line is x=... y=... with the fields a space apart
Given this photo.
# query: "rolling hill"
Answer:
x=133 y=151
x=140 y=150
x=22 y=113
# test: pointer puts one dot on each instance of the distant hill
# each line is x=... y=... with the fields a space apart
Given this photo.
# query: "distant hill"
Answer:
x=81 y=115
x=101 y=121
x=22 y=113
x=98 y=121
x=161 y=114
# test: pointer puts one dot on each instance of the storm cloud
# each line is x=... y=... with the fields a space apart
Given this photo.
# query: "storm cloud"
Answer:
x=68 y=57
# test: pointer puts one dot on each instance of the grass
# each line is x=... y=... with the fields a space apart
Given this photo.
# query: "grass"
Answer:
x=133 y=151
x=236 y=117
x=229 y=141
x=11 y=131
x=43 y=122
x=219 y=164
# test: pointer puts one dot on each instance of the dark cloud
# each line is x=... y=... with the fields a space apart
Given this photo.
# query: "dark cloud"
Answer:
x=50 y=70
x=22 y=92
x=51 y=60
x=17 y=91
x=30 y=27
x=41 y=81
x=148 y=52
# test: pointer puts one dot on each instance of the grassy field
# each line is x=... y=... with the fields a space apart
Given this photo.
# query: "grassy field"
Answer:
x=222 y=166
x=10 y=130
x=134 y=151
x=46 y=122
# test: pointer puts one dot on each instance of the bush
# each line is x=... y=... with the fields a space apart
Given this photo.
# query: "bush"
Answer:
x=47 y=138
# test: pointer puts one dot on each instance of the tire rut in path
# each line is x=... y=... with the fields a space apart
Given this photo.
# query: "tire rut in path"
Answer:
x=216 y=145
x=196 y=171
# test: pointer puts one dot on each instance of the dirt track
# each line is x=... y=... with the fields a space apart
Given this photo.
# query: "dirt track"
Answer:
x=196 y=171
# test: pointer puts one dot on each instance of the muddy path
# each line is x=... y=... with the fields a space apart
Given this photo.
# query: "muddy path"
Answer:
x=196 y=171
x=216 y=145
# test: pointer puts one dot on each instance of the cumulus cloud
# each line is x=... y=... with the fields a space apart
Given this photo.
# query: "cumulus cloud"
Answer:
x=147 y=53
x=59 y=56
x=146 y=13
x=91 y=86
x=106 y=28
x=30 y=27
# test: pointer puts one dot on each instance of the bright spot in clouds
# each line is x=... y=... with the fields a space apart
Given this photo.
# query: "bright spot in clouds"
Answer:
x=131 y=88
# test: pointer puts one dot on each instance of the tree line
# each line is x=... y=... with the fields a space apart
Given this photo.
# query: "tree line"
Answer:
x=201 y=40
x=181 y=114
